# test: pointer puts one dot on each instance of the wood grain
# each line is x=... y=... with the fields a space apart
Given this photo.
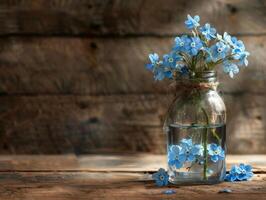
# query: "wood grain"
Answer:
x=94 y=66
x=116 y=123
x=50 y=177
x=138 y=162
x=133 y=17
x=79 y=185
x=72 y=75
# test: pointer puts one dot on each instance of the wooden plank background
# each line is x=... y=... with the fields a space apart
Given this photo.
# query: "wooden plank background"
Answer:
x=72 y=75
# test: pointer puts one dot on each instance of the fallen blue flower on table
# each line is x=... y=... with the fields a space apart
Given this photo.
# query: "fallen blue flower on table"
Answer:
x=225 y=190
x=169 y=192
x=161 y=177
x=239 y=173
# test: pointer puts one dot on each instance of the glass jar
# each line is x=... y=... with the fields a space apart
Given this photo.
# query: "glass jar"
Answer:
x=196 y=129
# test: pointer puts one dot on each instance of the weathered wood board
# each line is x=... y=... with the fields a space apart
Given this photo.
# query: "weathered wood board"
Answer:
x=139 y=162
x=71 y=177
x=100 y=66
x=131 y=17
x=118 y=123
x=72 y=75
x=88 y=185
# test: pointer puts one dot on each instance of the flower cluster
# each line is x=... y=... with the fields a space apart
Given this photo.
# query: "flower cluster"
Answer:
x=239 y=173
x=199 y=51
x=186 y=151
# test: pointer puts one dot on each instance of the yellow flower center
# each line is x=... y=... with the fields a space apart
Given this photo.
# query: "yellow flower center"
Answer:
x=219 y=50
x=216 y=152
x=170 y=60
x=161 y=177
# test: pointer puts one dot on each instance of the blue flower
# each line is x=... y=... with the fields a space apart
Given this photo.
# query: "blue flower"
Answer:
x=208 y=31
x=197 y=150
x=169 y=60
x=183 y=70
x=186 y=143
x=191 y=151
x=192 y=22
x=242 y=57
x=239 y=52
x=216 y=152
x=155 y=61
x=232 y=176
x=176 y=156
x=239 y=173
x=181 y=43
x=228 y=39
x=161 y=177
x=245 y=172
x=225 y=190
x=238 y=45
x=160 y=73
x=194 y=46
x=230 y=68
x=218 y=51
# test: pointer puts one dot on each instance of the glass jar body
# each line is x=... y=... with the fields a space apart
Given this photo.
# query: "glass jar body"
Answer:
x=196 y=132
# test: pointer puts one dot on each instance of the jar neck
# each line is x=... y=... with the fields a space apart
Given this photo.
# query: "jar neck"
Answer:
x=206 y=80
x=204 y=77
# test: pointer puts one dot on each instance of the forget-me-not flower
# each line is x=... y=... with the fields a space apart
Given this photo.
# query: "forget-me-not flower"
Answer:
x=192 y=22
x=183 y=70
x=232 y=176
x=242 y=57
x=161 y=177
x=169 y=60
x=245 y=172
x=239 y=173
x=176 y=156
x=230 y=68
x=197 y=150
x=238 y=46
x=155 y=61
x=191 y=151
x=218 y=51
x=181 y=43
x=239 y=52
x=208 y=31
x=186 y=143
x=216 y=152
x=161 y=72
x=194 y=46
x=228 y=39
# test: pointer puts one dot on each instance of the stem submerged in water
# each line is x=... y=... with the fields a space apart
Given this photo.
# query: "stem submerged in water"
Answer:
x=205 y=142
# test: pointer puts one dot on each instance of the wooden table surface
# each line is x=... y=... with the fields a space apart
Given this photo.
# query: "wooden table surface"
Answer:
x=112 y=177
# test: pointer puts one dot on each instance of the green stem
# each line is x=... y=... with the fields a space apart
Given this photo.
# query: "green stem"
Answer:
x=215 y=135
x=205 y=142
